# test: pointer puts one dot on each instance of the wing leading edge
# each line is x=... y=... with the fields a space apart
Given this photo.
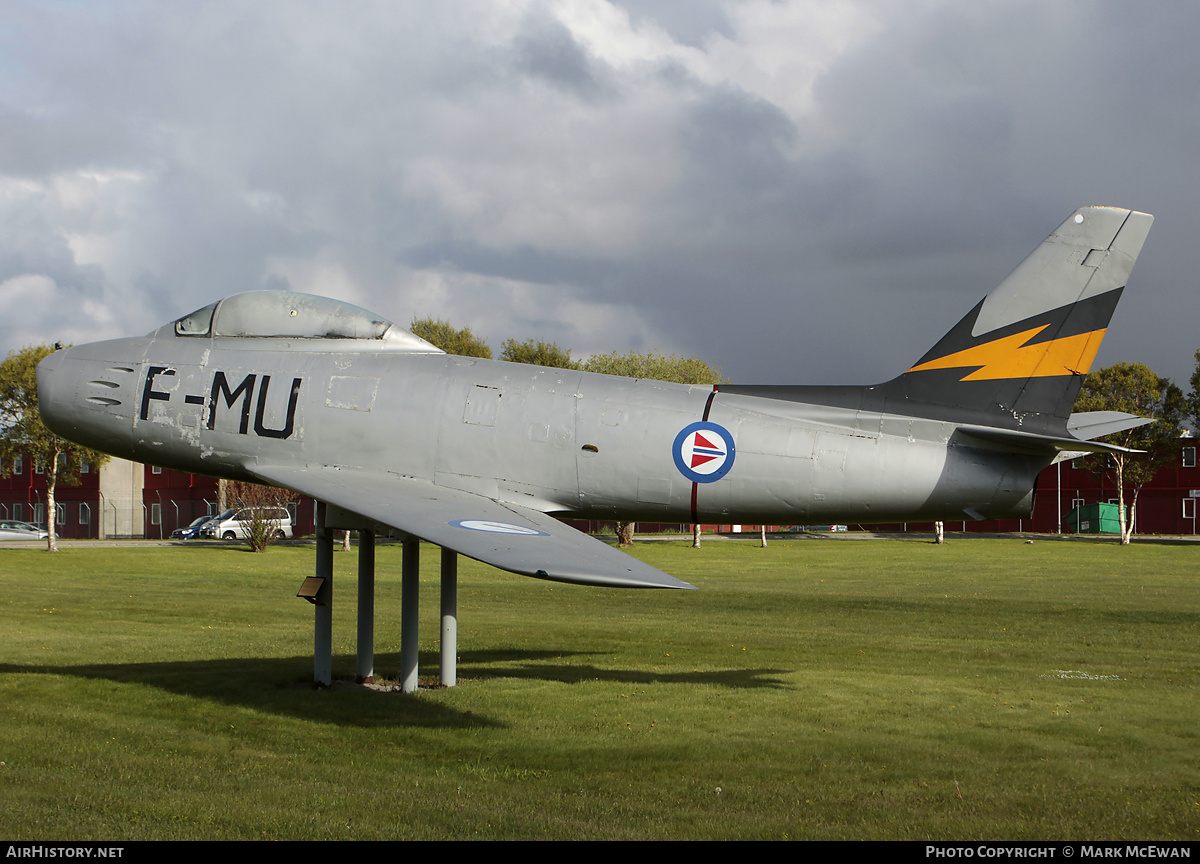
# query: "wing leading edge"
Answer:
x=507 y=536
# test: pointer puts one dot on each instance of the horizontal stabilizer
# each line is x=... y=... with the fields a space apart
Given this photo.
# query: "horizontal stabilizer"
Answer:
x=1087 y=425
x=507 y=536
x=1032 y=442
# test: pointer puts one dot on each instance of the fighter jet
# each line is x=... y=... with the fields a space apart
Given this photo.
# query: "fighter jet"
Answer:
x=480 y=456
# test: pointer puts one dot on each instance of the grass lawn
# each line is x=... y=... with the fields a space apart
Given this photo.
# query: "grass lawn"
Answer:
x=816 y=689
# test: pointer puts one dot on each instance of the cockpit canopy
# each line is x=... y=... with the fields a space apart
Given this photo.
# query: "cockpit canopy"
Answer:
x=288 y=315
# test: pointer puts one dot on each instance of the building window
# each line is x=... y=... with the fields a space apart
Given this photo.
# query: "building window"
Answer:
x=19 y=465
x=155 y=514
x=60 y=514
x=84 y=467
x=39 y=513
x=37 y=467
x=154 y=469
x=1189 y=457
x=1076 y=503
x=85 y=514
x=17 y=513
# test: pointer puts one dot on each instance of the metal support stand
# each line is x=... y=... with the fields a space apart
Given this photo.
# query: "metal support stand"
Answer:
x=319 y=590
x=365 y=673
x=409 y=604
x=449 y=618
x=323 y=621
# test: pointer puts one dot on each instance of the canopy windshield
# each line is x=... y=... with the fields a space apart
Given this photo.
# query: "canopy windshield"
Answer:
x=266 y=314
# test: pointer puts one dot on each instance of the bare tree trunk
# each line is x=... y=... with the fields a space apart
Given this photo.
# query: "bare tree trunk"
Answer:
x=1126 y=530
x=762 y=533
x=346 y=540
x=696 y=536
x=940 y=530
x=51 y=506
x=625 y=534
x=1127 y=525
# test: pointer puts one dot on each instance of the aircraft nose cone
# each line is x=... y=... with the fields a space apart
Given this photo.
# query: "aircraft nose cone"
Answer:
x=86 y=393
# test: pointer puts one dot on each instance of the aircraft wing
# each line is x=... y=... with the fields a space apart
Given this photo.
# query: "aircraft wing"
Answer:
x=507 y=536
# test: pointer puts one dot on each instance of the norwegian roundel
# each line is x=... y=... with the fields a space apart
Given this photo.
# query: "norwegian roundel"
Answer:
x=704 y=452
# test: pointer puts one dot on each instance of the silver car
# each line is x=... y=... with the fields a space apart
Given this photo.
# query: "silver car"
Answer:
x=11 y=529
x=235 y=524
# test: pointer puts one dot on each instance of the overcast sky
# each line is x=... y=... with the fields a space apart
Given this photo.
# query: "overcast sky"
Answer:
x=796 y=192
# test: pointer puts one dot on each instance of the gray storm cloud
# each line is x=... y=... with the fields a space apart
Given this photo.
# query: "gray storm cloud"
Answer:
x=795 y=191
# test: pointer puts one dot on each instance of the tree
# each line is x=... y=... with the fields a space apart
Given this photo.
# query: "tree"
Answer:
x=1134 y=389
x=1194 y=396
x=22 y=432
x=443 y=335
x=658 y=367
x=260 y=504
x=538 y=353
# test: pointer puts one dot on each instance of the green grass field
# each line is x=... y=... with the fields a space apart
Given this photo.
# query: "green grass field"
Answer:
x=816 y=689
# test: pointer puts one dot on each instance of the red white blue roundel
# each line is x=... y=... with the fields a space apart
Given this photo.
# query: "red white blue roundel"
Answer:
x=704 y=452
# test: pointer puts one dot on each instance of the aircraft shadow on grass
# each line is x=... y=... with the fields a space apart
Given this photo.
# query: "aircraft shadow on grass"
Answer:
x=283 y=685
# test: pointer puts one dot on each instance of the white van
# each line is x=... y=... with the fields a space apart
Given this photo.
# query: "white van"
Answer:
x=235 y=524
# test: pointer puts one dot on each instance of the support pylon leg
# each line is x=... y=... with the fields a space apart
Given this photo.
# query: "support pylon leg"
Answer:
x=409 y=605
x=365 y=672
x=323 y=616
x=449 y=671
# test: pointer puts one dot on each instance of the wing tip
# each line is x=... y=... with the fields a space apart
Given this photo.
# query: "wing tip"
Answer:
x=632 y=580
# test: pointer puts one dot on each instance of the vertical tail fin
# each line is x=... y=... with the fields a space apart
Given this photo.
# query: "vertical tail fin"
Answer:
x=1019 y=357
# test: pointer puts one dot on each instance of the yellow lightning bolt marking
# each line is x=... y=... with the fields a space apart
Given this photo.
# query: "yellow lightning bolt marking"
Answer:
x=1010 y=357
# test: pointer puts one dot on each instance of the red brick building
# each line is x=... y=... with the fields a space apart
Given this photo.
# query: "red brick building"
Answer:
x=121 y=499
x=105 y=502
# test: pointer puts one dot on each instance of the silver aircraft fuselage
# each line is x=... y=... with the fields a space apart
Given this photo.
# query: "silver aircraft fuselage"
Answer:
x=336 y=402
x=557 y=441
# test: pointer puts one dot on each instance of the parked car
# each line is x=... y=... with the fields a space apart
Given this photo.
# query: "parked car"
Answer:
x=235 y=524
x=194 y=531
x=12 y=529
